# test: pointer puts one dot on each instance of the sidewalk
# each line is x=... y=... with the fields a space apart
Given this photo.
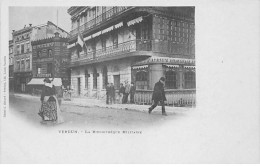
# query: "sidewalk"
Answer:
x=88 y=102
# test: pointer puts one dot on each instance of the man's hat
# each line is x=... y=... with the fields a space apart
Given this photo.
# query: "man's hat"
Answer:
x=162 y=79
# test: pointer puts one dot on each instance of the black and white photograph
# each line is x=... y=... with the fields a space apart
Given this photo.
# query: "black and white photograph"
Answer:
x=130 y=83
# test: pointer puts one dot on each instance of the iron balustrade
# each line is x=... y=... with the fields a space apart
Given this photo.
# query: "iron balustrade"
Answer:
x=98 y=20
x=121 y=48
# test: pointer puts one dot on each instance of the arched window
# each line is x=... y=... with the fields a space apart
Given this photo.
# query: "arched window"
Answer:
x=171 y=80
x=95 y=74
x=190 y=81
x=141 y=80
x=105 y=79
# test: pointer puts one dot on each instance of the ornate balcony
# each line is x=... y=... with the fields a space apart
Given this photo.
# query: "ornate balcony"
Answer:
x=112 y=52
x=99 y=19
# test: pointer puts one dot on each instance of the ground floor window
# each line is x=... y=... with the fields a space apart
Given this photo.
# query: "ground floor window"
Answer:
x=86 y=78
x=95 y=75
x=190 y=81
x=141 y=80
x=171 y=80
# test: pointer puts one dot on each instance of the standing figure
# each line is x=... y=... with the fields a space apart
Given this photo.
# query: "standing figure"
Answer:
x=108 y=93
x=127 y=91
x=113 y=93
x=132 y=92
x=159 y=96
x=50 y=109
x=121 y=93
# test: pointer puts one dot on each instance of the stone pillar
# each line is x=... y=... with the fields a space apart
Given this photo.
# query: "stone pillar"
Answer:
x=155 y=73
x=181 y=78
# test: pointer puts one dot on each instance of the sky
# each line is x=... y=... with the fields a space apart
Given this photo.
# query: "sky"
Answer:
x=20 y=16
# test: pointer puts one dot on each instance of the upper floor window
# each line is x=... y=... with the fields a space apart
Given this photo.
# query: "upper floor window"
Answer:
x=49 y=68
x=28 y=47
x=38 y=68
x=18 y=49
x=50 y=53
x=10 y=50
x=22 y=48
x=39 y=54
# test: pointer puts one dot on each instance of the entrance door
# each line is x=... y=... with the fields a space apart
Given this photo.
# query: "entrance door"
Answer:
x=117 y=81
x=79 y=86
x=23 y=87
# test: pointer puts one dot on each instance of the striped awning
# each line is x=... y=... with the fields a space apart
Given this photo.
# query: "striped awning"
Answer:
x=119 y=25
x=107 y=29
x=139 y=67
x=39 y=81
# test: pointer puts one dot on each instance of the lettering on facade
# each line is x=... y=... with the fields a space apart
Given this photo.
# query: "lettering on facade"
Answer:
x=43 y=45
x=43 y=75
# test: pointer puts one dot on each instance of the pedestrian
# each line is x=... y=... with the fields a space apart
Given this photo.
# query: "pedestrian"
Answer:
x=50 y=109
x=132 y=92
x=121 y=93
x=59 y=92
x=108 y=93
x=127 y=91
x=113 y=93
x=158 y=96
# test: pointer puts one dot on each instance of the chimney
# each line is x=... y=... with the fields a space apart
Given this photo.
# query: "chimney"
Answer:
x=30 y=25
x=24 y=26
x=13 y=31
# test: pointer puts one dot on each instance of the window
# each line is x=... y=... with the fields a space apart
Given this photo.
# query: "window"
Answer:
x=38 y=68
x=22 y=48
x=28 y=64
x=49 y=68
x=17 y=65
x=105 y=80
x=141 y=80
x=115 y=40
x=86 y=78
x=189 y=78
x=171 y=80
x=95 y=75
x=10 y=50
x=22 y=65
x=50 y=53
x=18 y=49
x=39 y=54
x=103 y=44
x=28 y=47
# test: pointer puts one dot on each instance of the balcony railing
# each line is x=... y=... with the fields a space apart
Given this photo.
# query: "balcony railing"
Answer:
x=99 y=19
x=178 y=98
x=119 y=49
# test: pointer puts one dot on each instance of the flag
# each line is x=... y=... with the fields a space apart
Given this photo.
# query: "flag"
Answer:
x=80 y=40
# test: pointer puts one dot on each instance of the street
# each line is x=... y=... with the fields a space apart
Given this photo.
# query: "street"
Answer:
x=90 y=116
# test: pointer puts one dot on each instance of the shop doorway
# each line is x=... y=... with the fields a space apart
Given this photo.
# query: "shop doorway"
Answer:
x=79 y=86
x=117 y=81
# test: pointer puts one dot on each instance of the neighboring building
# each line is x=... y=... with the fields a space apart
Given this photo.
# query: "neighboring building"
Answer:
x=23 y=51
x=50 y=58
x=134 y=44
x=11 y=65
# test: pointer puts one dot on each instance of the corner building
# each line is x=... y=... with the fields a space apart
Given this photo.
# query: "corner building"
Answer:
x=134 y=44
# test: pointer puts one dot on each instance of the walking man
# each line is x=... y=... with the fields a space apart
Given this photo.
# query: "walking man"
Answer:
x=132 y=92
x=127 y=91
x=159 y=96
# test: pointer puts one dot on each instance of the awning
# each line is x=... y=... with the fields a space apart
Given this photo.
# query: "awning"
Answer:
x=172 y=66
x=87 y=38
x=107 y=29
x=192 y=67
x=137 y=20
x=39 y=81
x=96 y=34
x=119 y=25
x=140 y=67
